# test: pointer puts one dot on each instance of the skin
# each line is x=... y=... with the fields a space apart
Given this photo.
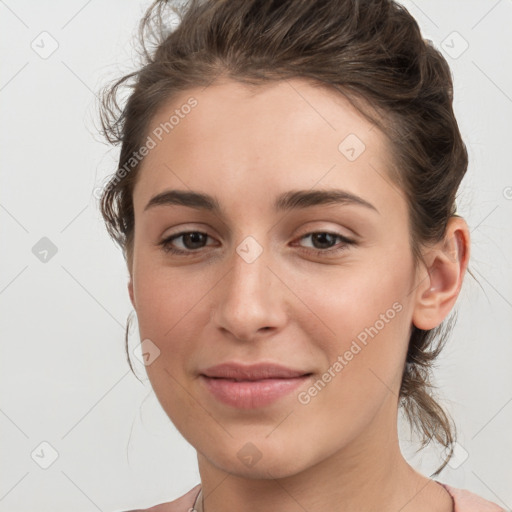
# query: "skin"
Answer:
x=291 y=305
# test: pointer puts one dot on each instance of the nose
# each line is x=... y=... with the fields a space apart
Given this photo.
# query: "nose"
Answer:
x=250 y=300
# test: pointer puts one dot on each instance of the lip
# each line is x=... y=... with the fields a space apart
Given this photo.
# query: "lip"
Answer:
x=251 y=386
x=257 y=371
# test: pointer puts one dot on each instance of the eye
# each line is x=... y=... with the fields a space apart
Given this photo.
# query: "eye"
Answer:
x=324 y=241
x=191 y=242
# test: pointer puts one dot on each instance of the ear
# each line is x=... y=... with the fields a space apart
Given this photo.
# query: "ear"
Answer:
x=446 y=263
x=130 y=292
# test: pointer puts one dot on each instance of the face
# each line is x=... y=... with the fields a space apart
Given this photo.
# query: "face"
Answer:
x=299 y=257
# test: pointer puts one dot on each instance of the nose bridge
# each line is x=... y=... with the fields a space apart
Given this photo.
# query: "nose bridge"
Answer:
x=249 y=300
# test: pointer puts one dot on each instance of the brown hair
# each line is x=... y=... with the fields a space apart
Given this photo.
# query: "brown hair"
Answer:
x=372 y=52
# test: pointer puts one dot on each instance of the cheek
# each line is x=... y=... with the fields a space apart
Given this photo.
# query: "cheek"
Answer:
x=164 y=297
x=170 y=313
x=366 y=319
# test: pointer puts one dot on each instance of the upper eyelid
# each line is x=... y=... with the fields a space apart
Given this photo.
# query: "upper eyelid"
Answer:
x=306 y=233
x=309 y=231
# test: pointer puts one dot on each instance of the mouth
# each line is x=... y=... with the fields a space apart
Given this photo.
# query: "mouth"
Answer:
x=252 y=372
x=251 y=386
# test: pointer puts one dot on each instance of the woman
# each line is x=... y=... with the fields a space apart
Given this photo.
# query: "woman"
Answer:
x=285 y=201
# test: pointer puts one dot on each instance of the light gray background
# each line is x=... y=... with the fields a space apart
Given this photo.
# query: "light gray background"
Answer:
x=65 y=380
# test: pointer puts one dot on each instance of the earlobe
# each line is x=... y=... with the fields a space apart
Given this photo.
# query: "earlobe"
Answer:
x=438 y=290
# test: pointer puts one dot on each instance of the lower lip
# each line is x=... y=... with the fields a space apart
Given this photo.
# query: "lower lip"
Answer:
x=251 y=394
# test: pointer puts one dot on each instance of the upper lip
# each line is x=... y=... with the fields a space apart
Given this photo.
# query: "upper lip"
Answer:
x=257 y=371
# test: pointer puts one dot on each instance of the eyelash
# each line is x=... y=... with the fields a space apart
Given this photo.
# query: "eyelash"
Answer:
x=168 y=248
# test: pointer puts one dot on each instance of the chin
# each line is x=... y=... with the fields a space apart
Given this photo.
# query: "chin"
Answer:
x=258 y=459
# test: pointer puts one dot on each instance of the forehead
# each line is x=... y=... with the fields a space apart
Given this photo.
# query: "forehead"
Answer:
x=264 y=139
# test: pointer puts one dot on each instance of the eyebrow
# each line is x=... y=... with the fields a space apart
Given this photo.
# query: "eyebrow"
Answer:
x=292 y=200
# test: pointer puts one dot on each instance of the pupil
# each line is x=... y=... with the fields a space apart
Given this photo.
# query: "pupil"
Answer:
x=321 y=237
x=195 y=238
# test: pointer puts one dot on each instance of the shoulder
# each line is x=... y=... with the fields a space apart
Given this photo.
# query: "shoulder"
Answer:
x=181 y=504
x=467 y=501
